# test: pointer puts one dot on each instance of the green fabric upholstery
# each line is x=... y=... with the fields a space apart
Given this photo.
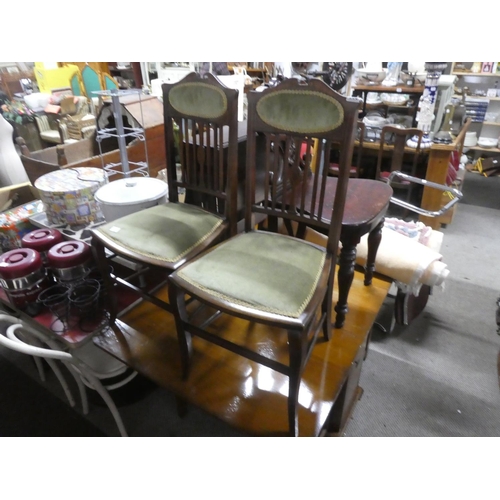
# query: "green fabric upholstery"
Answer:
x=75 y=85
x=166 y=232
x=265 y=271
x=91 y=81
x=198 y=99
x=109 y=83
x=300 y=111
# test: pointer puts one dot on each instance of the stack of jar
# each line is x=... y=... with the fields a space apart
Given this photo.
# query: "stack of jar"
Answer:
x=44 y=260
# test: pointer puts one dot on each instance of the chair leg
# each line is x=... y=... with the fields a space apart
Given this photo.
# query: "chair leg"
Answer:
x=347 y=261
x=81 y=389
x=76 y=376
x=103 y=266
x=374 y=239
x=327 y=307
x=34 y=340
x=96 y=384
x=39 y=367
x=62 y=381
x=297 y=345
x=178 y=302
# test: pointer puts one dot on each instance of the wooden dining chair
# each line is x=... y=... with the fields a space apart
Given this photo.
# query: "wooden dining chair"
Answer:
x=265 y=277
x=395 y=155
x=356 y=169
x=202 y=113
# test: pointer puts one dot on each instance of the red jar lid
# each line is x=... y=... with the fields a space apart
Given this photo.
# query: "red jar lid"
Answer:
x=42 y=239
x=69 y=254
x=19 y=263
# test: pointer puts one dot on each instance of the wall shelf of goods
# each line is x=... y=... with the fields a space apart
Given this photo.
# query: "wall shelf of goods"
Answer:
x=478 y=85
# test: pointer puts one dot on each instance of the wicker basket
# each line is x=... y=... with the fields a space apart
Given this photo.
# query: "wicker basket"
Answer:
x=75 y=125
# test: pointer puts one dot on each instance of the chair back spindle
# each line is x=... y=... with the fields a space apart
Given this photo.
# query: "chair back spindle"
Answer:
x=201 y=138
x=294 y=179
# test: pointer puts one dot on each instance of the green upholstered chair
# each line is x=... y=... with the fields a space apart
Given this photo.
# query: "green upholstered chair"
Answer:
x=263 y=276
x=75 y=83
x=108 y=82
x=91 y=81
x=199 y=111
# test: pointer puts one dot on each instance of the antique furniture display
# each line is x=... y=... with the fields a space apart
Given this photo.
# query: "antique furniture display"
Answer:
x=263 y=276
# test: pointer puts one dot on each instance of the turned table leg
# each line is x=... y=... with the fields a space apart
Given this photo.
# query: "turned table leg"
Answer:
x=374 y=238
x=347 y=260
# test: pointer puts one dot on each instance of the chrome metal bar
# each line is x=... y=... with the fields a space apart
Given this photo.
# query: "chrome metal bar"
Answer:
x=429 y=213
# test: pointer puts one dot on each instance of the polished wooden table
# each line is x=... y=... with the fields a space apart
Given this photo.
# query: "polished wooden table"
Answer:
x=366 y=205
x=247 y=396
x=364 y=213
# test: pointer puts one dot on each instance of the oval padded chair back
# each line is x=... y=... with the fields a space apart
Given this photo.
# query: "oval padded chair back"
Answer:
x=298 y=111
x=199 y=100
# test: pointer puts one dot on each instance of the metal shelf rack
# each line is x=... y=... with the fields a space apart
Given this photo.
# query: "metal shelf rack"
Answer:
x=121 y=133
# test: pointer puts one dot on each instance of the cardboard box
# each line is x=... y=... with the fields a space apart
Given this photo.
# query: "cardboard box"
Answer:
x=17 y=204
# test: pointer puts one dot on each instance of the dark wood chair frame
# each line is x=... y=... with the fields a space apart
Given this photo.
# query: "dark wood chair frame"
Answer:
x=284 y=199
x=356 y=169
x=209 y=176
x=396 y=138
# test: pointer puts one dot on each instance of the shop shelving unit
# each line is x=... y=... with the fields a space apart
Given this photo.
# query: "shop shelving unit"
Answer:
x=126 y=167
x=481 y=81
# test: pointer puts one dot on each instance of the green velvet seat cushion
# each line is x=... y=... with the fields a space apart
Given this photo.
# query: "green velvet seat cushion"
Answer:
x=166 y=232
x=265 y=271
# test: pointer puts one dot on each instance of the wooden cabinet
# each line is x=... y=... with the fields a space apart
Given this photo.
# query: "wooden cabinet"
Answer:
x=128 y=74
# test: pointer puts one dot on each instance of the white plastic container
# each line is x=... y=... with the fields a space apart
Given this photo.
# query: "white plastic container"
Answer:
x=129 y=195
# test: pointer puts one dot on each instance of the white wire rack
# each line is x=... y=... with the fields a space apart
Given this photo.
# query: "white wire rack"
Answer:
x=125 y=167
